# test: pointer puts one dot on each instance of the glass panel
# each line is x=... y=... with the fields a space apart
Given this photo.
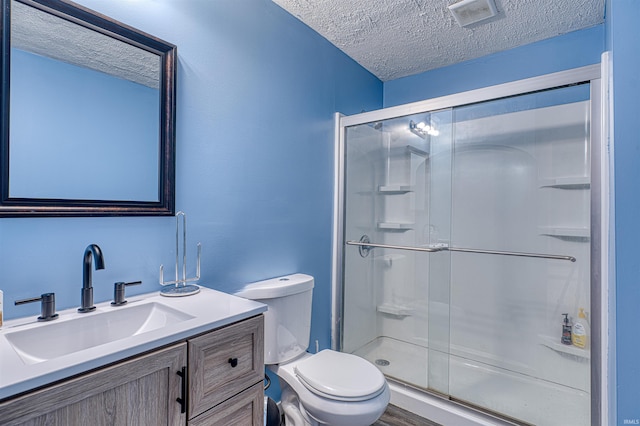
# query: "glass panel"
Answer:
x=437 y=200
x=521 y=183
x=397 y=192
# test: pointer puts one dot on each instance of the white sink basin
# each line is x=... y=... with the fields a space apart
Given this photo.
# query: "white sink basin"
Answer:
x=84 y=331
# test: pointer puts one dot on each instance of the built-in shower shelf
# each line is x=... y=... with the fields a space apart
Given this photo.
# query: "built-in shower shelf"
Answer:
x=404 y=150
x=395 y=226
x=569 y=182
x=417 y=151
x=392 y=309
x=395 y=189
x=568 y=351
x=365 y=192
x=564 y=232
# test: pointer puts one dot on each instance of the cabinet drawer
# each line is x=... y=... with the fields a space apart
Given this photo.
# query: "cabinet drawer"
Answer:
x=225 y=362
x=244 y=409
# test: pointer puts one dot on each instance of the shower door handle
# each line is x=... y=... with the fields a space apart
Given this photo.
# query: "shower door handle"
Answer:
x=365 y=246
x=513 y=253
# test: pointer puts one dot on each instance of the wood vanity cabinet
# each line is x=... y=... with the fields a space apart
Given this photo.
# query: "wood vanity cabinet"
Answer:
x=224 y=386
x=132 y=392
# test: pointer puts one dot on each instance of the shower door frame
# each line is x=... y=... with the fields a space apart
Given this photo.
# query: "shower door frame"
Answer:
x=599 y=198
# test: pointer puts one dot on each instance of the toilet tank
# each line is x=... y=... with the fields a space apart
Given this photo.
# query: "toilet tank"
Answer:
x=287 y=322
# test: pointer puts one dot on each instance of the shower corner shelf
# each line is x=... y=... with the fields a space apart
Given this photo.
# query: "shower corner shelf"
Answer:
x=568 y=182
x=395 y=189
x=564 y=232
x=395 y=226
x=565 y=350
x=397 y=311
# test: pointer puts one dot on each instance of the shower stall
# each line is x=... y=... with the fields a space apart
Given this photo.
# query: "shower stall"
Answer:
x=467 y=227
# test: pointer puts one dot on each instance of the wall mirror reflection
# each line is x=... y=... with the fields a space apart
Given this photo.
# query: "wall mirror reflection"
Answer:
x=88 y=114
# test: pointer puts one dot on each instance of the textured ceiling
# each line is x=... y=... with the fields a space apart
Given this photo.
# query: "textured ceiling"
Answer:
x=47 y=35
x=397 y=38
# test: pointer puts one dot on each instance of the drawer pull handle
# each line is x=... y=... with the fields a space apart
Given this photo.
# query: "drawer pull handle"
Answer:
x=233 y=362
x=183 y=397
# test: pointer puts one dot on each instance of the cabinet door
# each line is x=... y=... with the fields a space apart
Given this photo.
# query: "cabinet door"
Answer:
x=141 y=391
x=244 y=409
x=225 y=362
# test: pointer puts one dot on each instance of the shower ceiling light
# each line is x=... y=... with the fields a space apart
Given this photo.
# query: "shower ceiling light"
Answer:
x=422 y=129
x=467 y=12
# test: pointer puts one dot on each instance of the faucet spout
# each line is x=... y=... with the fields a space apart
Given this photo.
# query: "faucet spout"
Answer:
x=91 y=252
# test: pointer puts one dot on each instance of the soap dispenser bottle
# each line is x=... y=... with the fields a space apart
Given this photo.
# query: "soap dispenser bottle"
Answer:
x=580 y=333
x=566 y=330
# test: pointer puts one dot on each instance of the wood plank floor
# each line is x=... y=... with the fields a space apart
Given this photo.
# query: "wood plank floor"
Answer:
x=396 y=416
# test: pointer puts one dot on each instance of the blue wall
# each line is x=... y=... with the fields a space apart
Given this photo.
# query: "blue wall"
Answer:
x=623 y=35
x=575 y=49
x=257 y=91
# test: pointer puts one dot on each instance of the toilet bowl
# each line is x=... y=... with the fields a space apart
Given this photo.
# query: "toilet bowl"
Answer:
x=326 y=388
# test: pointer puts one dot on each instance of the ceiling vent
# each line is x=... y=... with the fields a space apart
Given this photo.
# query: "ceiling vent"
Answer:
x=467 y=12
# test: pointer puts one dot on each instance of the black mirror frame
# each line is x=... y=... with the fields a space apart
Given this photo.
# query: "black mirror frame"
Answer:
x=27 y=207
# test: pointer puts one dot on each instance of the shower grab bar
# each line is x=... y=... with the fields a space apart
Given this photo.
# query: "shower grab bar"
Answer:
x=365 y=246
x=513 y=253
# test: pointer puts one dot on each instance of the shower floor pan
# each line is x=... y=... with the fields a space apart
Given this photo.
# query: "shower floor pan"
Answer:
x=397 y=359
x=500 y=391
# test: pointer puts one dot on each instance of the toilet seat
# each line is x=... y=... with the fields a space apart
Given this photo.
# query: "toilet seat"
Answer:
x=340 y=376
x=327 y=409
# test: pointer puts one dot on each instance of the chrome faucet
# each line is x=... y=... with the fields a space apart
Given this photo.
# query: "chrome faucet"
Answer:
x=87 y=288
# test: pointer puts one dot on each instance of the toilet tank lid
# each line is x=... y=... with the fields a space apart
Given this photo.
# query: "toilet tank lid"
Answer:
x=277 y=287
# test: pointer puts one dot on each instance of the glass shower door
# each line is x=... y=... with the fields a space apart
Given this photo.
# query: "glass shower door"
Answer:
x=398 y=196
x=467 y=241
x=521 y=184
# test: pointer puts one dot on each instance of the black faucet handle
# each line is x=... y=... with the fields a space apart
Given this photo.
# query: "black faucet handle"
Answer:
x=47 y=306
x=118 y=292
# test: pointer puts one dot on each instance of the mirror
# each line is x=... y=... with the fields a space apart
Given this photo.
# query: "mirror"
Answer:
x=88 y=114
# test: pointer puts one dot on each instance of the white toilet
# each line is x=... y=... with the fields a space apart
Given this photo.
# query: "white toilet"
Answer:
x=327 y=388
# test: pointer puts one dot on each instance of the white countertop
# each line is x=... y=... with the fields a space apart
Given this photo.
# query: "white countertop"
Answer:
x=210 y=309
